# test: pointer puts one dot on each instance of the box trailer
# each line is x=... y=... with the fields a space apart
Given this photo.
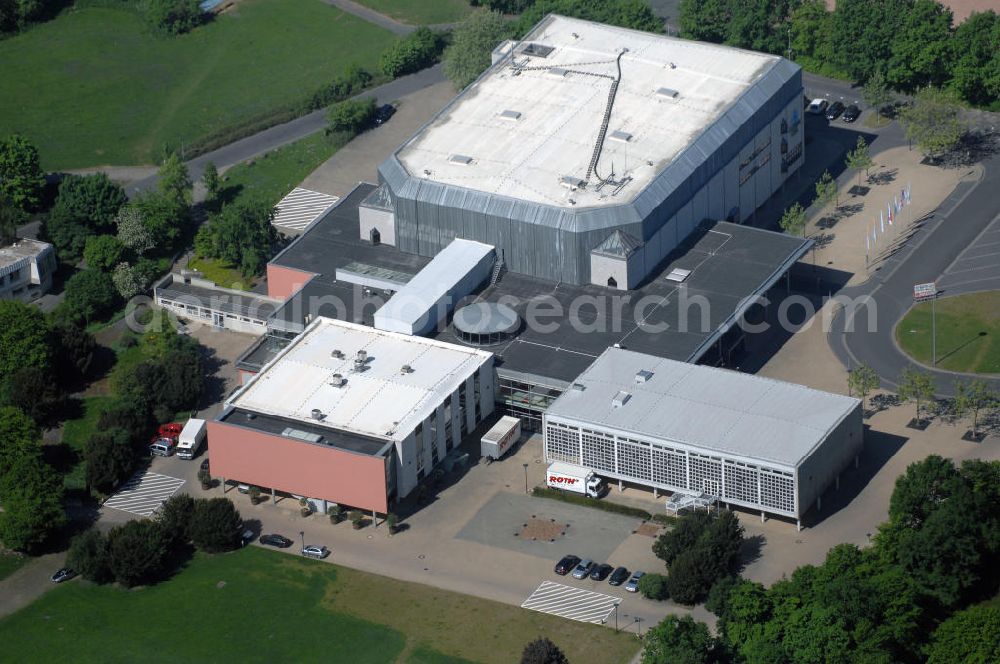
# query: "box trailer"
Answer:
x=574 y=478
x=191 y=439
x=503 y=436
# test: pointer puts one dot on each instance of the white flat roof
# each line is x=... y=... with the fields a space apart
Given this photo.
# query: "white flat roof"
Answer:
x=21 y=249
x=381 y=401
x=714 y=409
x=561 y=100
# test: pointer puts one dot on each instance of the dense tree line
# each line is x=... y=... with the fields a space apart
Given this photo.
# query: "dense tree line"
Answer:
x=909 y=597
x=699 y=549
x=415 y=51
x=139 y=552
x=913 y=43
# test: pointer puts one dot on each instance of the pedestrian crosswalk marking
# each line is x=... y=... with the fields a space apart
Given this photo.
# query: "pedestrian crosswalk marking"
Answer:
x=144 y=493
x=572 y=603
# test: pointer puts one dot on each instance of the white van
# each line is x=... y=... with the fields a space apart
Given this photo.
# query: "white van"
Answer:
x=191 y=439
x=163 y=447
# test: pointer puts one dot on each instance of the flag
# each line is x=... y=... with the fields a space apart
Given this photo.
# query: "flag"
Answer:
x=874 y=235
x=881 y=217
x=889 y=206
x=881 y=223
x=868 y=243
x=906 y=194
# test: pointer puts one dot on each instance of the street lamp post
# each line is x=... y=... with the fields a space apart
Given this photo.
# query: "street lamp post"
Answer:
x=638 y=626
x=525 y=477
x=933 y=332
x=616 y=617
x=302 y=536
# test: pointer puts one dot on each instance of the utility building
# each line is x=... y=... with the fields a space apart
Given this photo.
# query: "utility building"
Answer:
x=745 y=440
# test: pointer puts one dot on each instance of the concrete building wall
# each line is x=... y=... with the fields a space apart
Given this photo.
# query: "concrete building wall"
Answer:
x=381 y=220
x=835 y=454
x=304 y=469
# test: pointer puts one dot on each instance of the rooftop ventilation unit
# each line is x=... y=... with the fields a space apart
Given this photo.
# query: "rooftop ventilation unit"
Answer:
x=537 y=50
x=572 y=183
x=251 y=416
x=359 y=365
x=302 y=435
x=406 y=369
x=620 y=399
x=317 y=414
x=678 y=275
x=667 y=93
x=460 y=159
x=512 y=116
x=363 y=355
x=621 y=136
x=337 y=380
x=337 y=354
x=579 y=387
x=643 y=376
x=557 y=72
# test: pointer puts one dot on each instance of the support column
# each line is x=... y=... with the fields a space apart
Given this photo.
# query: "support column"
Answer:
x=621 y=486
x=656 y=494
x=798 y=526
x=857 y=462
x=375 y=518
x=762 y=519
x=819 y=503
x=837 y=483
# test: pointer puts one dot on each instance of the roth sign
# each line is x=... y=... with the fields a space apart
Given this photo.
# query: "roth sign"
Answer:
x=565 y=481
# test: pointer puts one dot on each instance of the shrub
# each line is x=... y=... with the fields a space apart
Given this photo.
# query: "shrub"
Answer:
x=357 y=518
x=90 y=295
x=336 y=513
x=414 y=52
x=392 y=521
x=653 y=586
x=136 y=552
x=353 y=80
x=543 y=651
x=174 y=17
x=254 y=494
x=174 y=517
x=109 y=458
x=205 y=478
x=88 y=555
x=352 y=116
x=215 y=525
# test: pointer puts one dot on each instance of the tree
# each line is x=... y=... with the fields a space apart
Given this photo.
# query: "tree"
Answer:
x=920 y=490
x=543 y=651
x=19 y=437
x=810 y=31
x=33 y=391
x=21 y=177
x=210 y=178
x=877 y=93
x=73 y=349
x=89 y=295
x=704 y=20
x=215 y=525
x=174 y=17
x=972 y=398
x=103 y=252
x=793 y=221
x=10 y=218
x=653 y=586
x=127 y=281
x=972 y=635
x=922 y=49
x=634 y=14
x=32 y=495
x=975 y=66
x=132 y=230
x=414 y=52
x=352 y=116
x=870 y=28
x=826 y=190
x=680 y=641
x=685 y=535
x=136 y=552
x=24 y=338
x=109 y=458
x=860 y=158
x=174 y=182
x=472 y=44
x=932 y=122
x=244 y=235
x=88 y=556
x=917 y=387
x=862 y=380
x=174 y=517
x=85 y=205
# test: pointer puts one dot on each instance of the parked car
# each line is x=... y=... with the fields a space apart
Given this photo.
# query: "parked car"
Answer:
x=65 y=574
x=163 y=447
x=566 y=564
x=314 y=551
x=276 y=540
x=851 y=113
x=582 y=569
x=633 y=584
x=618 y=577
x=243 y=488
x=834 y=111
x=383 y=113
x=247 y=536
x=171 y=430
x=817 y=106
x=600 y=572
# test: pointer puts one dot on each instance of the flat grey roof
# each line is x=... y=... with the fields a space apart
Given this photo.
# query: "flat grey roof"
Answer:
x=249 y=305
x=713 y=409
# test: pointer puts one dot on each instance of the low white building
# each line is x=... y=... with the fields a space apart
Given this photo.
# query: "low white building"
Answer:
x=26 y=269
x=745 y=440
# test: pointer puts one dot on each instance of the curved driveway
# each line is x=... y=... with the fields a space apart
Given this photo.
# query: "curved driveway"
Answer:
x=959 y=227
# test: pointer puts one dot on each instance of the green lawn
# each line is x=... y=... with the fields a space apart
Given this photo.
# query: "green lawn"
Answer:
x=968 y=332
x=421 y=12
x=222 y=273
x=11 y=562
x=257 y=605
x=94 y=87
x=275 y=173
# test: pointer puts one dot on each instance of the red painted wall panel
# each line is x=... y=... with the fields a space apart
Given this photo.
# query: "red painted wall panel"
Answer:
x=283 y=282
x=267 y=460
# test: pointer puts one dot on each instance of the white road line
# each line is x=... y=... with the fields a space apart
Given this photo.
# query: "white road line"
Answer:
x=572 y=603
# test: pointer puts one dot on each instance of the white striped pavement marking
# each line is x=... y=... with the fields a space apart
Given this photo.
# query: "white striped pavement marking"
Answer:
x=144 y=493
x=301 y=207
x=572 y=603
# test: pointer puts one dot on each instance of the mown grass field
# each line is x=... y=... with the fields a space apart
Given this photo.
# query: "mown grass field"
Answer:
x=421 y=12
x=94 y=87
x=968 y=333
x=10 y=563
x=258 y=605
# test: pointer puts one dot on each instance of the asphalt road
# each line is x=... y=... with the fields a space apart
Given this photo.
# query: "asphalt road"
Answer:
x=282 y=134
x=958 y=223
